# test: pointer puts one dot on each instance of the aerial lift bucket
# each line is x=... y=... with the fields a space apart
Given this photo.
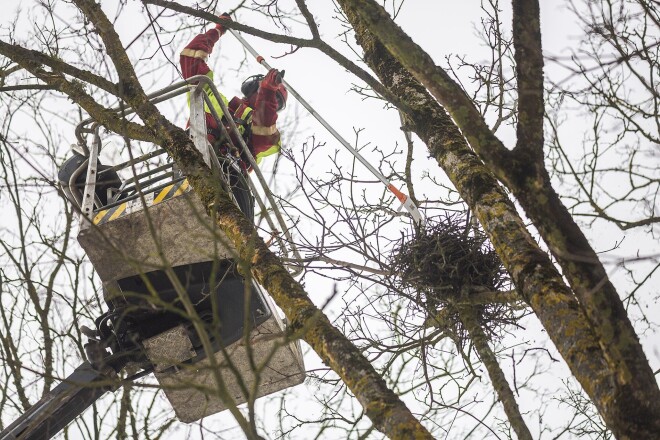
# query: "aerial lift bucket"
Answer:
x=210 y=336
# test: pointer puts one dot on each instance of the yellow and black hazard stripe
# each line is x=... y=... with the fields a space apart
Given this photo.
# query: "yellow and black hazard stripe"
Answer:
x=107 y=215
x=169 y=192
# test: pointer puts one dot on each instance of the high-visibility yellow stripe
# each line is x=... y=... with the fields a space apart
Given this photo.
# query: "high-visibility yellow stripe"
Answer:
x=118 y=211
x=171 y=191
x=109 y=214
x=274 y=149
x=212 y=97
x=161 y=195
x=99 y=216
x=166 y=193
x=246 y=113
x=182 y=188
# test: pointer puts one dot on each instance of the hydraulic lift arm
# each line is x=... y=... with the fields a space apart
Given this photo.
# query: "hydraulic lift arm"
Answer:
x=61 y=405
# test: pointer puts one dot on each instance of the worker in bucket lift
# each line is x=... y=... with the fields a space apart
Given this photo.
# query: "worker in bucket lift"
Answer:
x=255 y=113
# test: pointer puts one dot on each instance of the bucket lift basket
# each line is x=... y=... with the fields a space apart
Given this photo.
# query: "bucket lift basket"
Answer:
x=169 y=275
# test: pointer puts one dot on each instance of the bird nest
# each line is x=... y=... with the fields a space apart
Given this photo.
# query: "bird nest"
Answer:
x=450 y=265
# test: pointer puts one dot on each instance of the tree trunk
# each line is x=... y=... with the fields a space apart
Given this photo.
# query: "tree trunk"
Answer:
x=386 y=411
x=627 y=414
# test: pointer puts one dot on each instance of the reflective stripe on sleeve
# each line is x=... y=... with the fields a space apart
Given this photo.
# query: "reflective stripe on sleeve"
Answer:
x=264 y=131
x=195 y=54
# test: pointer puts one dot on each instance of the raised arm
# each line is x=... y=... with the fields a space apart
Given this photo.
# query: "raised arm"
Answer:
x=265 y=135
x=193 y=57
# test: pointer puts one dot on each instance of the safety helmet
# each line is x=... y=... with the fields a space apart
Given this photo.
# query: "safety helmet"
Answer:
x=251 y=85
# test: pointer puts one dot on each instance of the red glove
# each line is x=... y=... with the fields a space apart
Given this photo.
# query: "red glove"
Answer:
x=220 y=27
x=272 y=80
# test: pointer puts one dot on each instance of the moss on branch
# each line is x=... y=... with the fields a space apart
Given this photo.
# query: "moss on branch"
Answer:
x=629 y=409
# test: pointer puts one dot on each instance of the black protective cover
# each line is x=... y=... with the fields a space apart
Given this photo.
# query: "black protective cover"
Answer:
x=107 y=177
x=218 y=293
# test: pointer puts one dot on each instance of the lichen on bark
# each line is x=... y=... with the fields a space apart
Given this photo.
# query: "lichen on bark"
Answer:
x=536 y=278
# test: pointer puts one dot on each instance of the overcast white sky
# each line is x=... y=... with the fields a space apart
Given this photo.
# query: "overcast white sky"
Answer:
x=441 y=27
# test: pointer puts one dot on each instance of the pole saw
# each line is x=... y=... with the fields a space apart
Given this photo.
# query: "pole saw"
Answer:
x=406 y=202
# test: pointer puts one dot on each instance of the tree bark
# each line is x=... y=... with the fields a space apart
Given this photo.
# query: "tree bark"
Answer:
x=627 y=406
x=386 y=411
x=524 y=173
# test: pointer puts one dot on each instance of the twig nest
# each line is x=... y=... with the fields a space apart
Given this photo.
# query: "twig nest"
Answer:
x=451 y=264
x=449 y=259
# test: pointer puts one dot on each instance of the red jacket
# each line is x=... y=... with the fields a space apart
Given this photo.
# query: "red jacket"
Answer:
x=259 y=112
